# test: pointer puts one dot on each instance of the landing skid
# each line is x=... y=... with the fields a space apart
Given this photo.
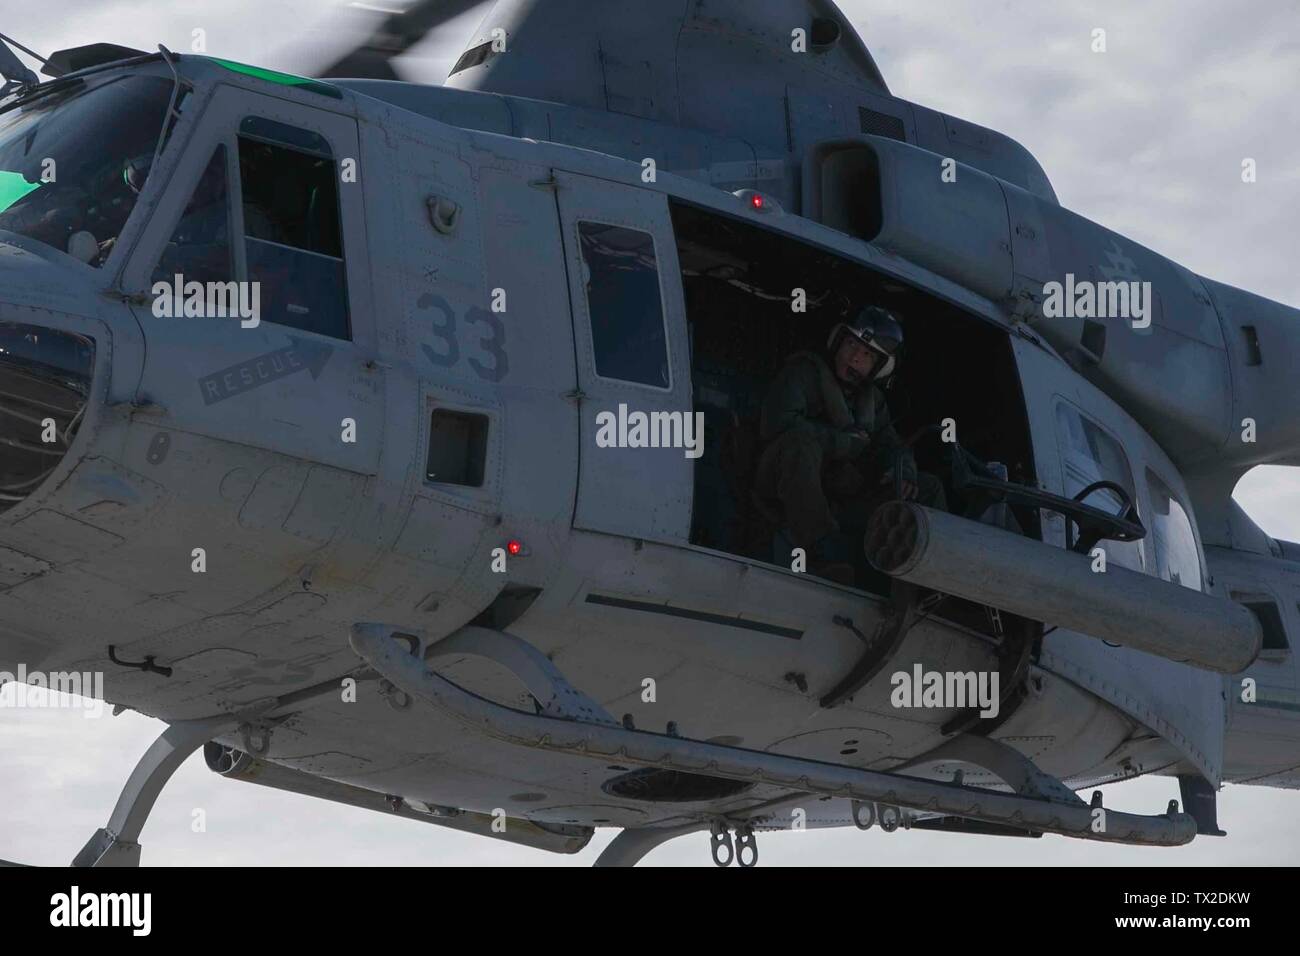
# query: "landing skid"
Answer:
x=631 y=845
x=116 y=843
x=1041 y=804
x=569 y=722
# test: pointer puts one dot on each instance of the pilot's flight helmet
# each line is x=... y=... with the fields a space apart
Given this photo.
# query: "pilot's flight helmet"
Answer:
x=136 y=171
x=879 y=330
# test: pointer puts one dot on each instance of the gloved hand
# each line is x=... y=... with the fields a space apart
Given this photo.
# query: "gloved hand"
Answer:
x=903 y=475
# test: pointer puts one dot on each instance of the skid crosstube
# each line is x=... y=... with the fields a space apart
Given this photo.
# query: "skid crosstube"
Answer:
x=1059 y=811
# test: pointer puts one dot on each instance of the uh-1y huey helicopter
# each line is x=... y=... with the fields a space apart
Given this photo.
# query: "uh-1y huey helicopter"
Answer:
x=363 y=541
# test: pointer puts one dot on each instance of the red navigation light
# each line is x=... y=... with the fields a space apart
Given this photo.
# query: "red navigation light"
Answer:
x=758 y=202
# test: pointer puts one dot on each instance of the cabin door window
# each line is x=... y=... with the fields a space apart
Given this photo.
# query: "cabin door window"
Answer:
x=640 y=438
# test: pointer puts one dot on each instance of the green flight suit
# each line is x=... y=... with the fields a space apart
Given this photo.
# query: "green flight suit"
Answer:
x=815 y=470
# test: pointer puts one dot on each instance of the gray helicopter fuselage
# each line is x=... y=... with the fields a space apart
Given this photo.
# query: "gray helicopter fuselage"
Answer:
x=300 y=464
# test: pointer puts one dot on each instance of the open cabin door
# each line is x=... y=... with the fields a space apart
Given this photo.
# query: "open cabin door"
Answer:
x=634 y=388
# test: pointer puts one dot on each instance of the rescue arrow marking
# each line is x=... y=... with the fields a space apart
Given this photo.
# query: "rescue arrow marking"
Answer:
x=252 y=373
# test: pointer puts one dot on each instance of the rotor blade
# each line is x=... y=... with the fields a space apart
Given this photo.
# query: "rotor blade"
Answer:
x=396 y=34
x=12 y=68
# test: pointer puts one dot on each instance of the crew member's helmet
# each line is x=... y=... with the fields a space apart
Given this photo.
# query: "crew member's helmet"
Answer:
x=136 y=171
x=879 y=330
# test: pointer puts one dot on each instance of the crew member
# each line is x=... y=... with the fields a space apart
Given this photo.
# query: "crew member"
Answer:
x=831 y=455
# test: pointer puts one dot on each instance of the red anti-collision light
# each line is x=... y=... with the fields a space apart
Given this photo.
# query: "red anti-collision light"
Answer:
x=758 y=202
x=514 y=547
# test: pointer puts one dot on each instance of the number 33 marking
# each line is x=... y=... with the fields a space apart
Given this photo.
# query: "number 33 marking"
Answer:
x=444 y=329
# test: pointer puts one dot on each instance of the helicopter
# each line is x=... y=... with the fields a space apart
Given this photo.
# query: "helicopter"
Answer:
x=321 y=400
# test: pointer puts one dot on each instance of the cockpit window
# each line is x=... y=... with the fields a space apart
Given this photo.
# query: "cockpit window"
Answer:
x=1089 y=454
x=1174 y=541
x=200 y=248
x=73 y=161
x=292 y=237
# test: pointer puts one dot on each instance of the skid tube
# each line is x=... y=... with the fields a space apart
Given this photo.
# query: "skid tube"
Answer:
x=393 y=659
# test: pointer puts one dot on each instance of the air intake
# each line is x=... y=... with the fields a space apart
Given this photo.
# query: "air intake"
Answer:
x=44 y=386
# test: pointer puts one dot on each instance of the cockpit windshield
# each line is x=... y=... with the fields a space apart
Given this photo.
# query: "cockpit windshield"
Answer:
x=74 y=158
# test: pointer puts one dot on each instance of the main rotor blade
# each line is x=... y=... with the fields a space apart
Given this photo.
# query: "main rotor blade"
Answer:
x=396 y=34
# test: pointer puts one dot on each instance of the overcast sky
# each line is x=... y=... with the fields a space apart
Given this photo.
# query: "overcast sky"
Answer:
x=1147 y=139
